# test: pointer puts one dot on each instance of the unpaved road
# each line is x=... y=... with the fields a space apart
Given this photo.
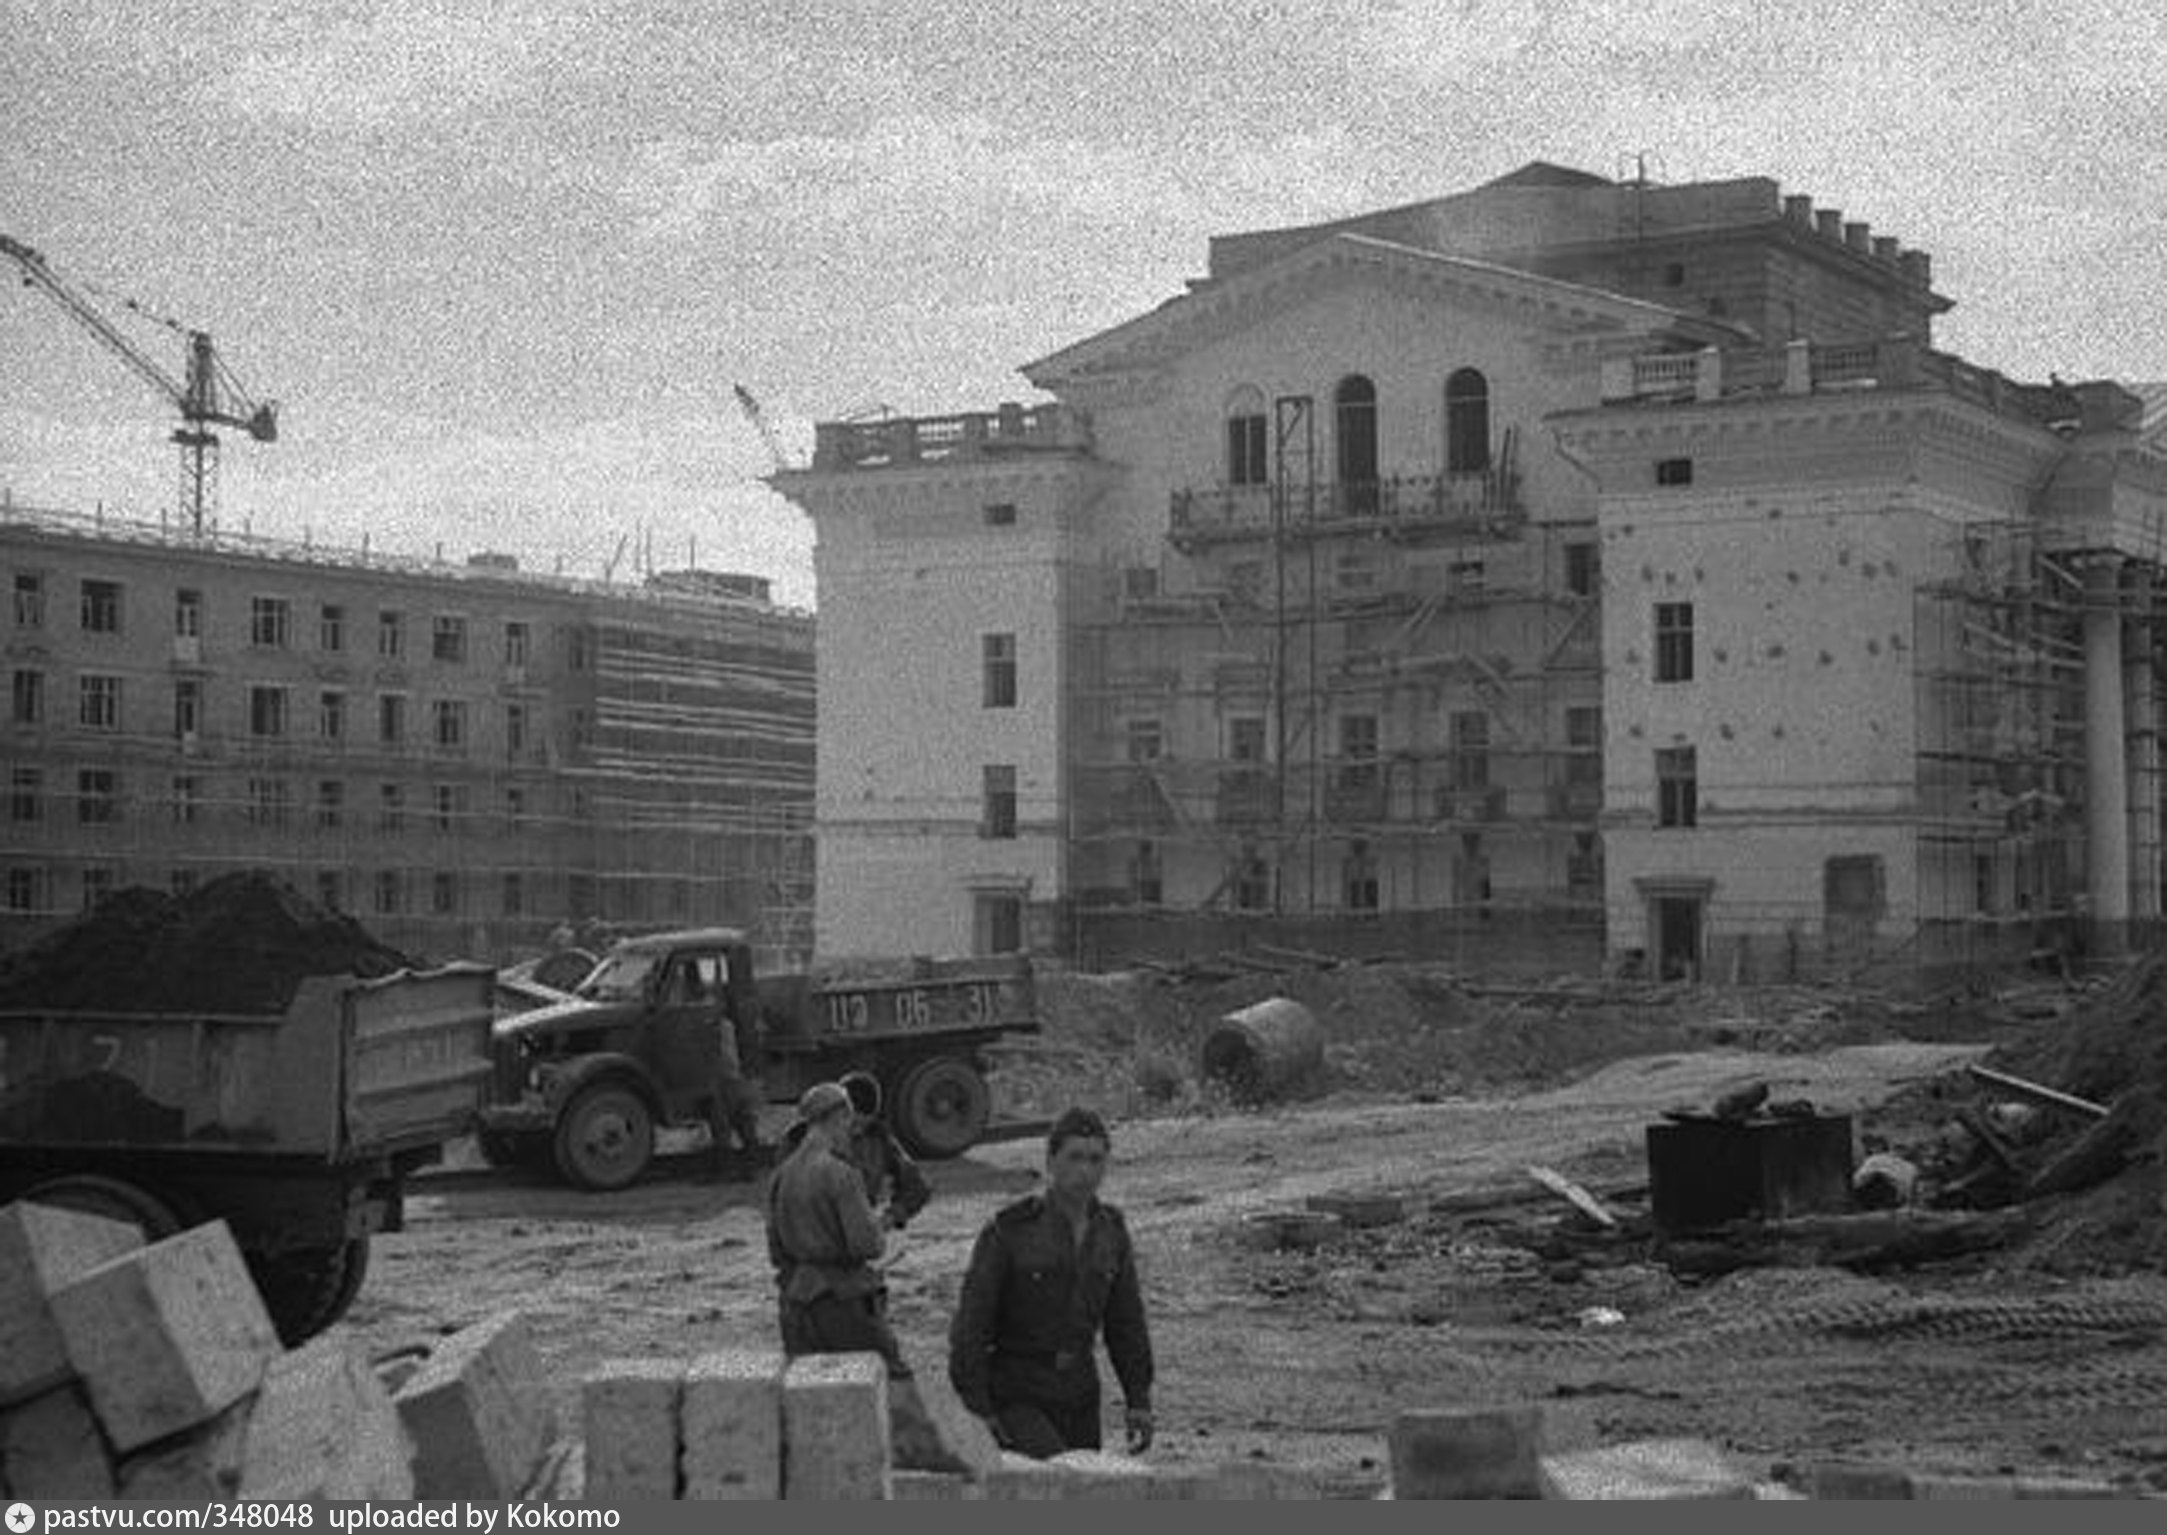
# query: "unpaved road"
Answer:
x=1302 y=1358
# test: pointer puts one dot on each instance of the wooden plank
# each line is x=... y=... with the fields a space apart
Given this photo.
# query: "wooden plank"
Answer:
x=2035 y=1093
x=1571 y=1192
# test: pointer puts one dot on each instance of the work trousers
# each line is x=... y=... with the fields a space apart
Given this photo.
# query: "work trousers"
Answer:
x=843 y=1324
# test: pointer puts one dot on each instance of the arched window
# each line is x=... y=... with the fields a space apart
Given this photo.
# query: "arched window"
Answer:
x=1467 y=422
x=1354 y=412
x=1248 y=454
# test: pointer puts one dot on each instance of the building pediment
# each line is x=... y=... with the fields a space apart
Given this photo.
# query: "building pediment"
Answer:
x=1216 y=309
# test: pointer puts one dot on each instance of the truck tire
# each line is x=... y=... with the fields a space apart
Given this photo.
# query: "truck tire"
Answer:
x=941 y=1107
x=113 y=1198
x=306 y=1289
x=605 y=1138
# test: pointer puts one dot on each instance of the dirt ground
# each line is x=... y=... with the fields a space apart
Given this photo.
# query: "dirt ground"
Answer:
x=1302 y=1357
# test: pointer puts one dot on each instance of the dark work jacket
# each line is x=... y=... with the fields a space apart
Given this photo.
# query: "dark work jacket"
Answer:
x=820 y=1231
x=1033 y=1305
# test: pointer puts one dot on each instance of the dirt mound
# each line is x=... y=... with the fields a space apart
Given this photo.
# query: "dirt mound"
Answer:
x=240 y=944
x=2113 y=1039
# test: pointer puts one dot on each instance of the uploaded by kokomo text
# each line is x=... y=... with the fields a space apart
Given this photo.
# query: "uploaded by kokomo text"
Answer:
x=344 y=1517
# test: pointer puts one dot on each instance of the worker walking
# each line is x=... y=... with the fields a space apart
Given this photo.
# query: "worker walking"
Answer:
x=1047 y=1276
x=823 y=1241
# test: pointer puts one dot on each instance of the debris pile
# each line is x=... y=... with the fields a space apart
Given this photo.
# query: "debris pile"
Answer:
x=242 y=943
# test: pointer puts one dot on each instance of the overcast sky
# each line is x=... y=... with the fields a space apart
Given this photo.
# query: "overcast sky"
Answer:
x=501 y=263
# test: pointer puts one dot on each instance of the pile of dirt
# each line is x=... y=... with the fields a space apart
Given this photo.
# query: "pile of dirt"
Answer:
x=2113 y=1039
x=242 y=943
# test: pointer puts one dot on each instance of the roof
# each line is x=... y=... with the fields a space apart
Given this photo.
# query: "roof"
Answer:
x=1194 y=318
x=1542 y=173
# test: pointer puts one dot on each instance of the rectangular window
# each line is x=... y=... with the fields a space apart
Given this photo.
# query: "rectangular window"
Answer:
x=330 y=889
x=270 y=623
x=99 y=704
x=451 y=805
x=331 y=714
x=1247 y=451
x=999 y=815
x=331 y=628
x=390 y=892
x=1674 y=471
x=451 y=724
x=515 y=729
x=187 y=707
x=390 y=634
x=1677 y=787
x=1674 y=642
x=1146 y=740
x=330 y=802
x=188 y=614
x=518 y=640
x=515 y=895
x=444 y=893
x=579 y=650
x=1252 y=882
x=391 y=718
x=515 y=808
x=27 y=698
x=1584 y=743
x=97 y=796
x=1000 y=670
x=1582 y=573
x=101 y=607
x=1470 y=750
x=582 y=730
x=187 y=799
x=97 y=885
x=391 y=807
x=23 y=892
x=1466 y=578
x=1147 y=878
x=26 y=789
x=29 y=601
x=448 y=639
x=1000 y=514
x=1358 y=878
x=270 y=800
x=1358 y=753
x=1245 y=738
x=266 y=712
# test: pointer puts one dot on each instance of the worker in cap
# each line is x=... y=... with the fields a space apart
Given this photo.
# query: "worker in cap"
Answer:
x=894 y=1185
x=823 y=1240
x=1049 y=1275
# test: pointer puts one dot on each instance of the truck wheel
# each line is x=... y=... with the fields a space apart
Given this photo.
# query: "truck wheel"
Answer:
x=306 y=1289
x=115 y=1200
x=605 y=1138
x=941 y=1107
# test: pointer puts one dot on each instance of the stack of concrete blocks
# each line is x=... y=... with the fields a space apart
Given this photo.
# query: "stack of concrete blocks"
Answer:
x=137 y=1371
x=1485 y=1453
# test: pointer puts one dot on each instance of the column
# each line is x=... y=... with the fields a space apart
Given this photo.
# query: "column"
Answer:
x=2140 y=696
x=2106 y=777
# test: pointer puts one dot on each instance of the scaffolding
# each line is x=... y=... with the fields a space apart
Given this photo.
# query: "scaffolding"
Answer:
x=1356 y=703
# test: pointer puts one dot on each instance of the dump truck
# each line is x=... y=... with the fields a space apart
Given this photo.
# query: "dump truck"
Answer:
x=298 y=1128
x=583 y=1084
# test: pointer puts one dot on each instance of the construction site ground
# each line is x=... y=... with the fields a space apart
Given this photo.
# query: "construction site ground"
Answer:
x=1489 y=1290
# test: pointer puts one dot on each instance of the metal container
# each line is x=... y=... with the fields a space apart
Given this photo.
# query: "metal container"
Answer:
x=1705 y=1173
x=1269 y=1051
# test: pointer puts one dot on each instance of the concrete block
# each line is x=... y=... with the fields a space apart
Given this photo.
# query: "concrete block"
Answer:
x=733 y=1425
x=1020 y=1479
x=835 y=1428
x=1929 y=1487
x=202 y=1465
x=629 y=1411
x=2044 y=1487
x=168 y=1336
x=43 y=1249
x=1855 y=1482
x=1249 y=1481
x=478 y=1412
x=52 y=1449
x=325 y=1428
x=931 y=1430
x=1102 y=1474
x=932 y=1487
x=1449 y=1452
x=1653 y=1470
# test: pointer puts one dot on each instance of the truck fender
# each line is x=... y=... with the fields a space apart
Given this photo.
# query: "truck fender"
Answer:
x=571 y=1076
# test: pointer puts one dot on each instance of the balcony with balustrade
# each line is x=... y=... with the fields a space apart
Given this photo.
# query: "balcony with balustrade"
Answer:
x=1480 y=505
x=902 y=442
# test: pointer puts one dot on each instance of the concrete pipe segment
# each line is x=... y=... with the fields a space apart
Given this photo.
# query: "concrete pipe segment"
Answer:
x=1265 y=1052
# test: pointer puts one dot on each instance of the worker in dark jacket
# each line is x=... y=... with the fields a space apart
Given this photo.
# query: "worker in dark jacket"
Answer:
x=894 y=1185
x=823 y=1241
x=1048 y=1275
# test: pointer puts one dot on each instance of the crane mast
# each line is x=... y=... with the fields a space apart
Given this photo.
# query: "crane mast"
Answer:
x=207 y=395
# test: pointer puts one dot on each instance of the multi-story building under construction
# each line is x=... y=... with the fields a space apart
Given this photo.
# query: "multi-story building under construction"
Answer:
x=1561 y=570
x=465 y=756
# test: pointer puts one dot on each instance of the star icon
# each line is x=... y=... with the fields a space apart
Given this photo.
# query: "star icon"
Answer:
x=21 y=1516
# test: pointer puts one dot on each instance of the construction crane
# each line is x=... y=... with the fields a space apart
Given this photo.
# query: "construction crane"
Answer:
x=210 y=396
x=758 y=418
